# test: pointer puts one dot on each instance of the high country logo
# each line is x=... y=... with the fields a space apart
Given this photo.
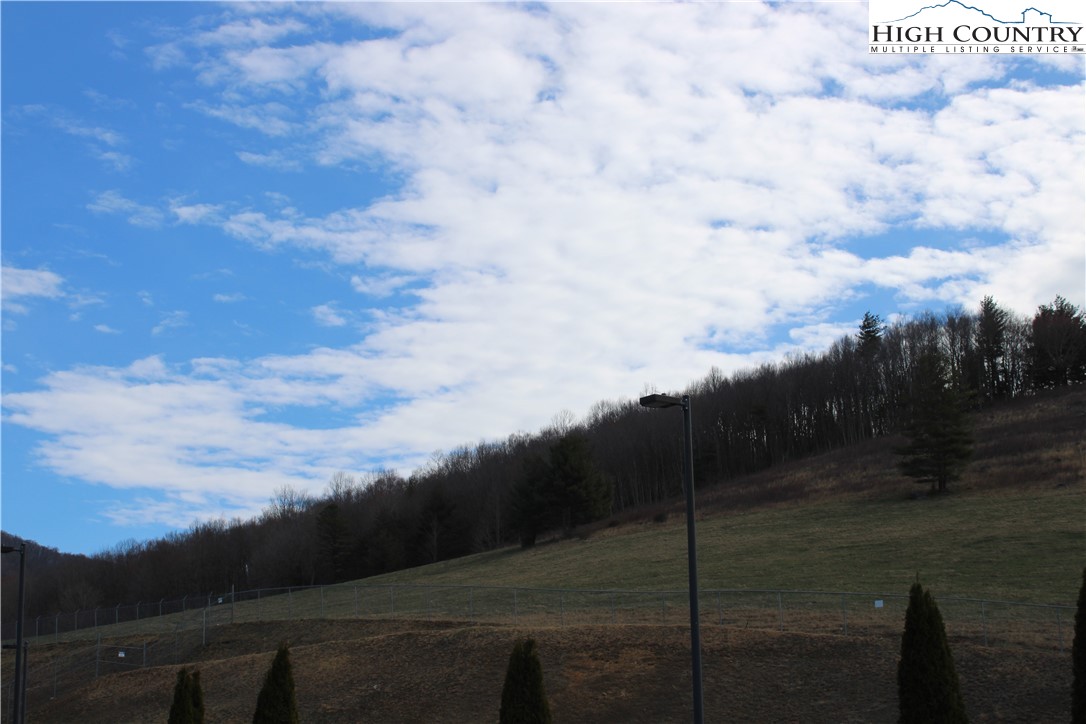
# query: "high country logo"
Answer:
x=994 y=26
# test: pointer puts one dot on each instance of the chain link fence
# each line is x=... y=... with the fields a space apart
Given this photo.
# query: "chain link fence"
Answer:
x=67 y=650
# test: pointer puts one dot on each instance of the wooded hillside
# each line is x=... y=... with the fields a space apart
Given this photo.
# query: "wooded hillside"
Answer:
x=629 y=459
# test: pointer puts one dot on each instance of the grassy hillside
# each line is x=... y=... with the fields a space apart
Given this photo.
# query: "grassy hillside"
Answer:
x=1013 y=529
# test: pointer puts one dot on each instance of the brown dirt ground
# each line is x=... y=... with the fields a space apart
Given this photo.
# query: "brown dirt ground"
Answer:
x=412 y=671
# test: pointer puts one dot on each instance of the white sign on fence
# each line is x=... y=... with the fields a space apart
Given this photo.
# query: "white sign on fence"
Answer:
x=878 y=603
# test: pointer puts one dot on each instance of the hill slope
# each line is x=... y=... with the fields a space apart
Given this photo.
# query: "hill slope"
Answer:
x=414 y=672
x=1012 y=530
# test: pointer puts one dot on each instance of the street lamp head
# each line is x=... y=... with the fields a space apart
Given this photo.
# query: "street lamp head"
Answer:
x=659 y=401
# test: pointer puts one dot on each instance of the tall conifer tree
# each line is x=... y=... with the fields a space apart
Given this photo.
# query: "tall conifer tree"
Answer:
x=940 y=442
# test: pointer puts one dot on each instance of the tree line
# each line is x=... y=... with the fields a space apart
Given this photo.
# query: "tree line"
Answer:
x=620 y=458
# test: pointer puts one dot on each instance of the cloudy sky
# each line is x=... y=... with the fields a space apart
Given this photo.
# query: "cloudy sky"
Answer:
x=248 y=246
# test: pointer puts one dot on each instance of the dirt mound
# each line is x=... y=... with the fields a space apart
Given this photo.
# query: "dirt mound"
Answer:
x=410 y=671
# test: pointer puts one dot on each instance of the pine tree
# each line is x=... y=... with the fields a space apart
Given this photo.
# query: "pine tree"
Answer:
x=870 y=336
x=1078 y=658
x=940 y=443
x=928 y=689
x=524 y=700
x=991 y=333
x=579 y=490
x=276 y=704
x=188 y=699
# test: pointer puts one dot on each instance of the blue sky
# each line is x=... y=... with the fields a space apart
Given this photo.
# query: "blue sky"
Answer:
x=246 y=246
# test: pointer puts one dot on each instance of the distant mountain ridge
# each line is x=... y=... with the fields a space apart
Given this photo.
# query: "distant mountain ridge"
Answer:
x=951 y=5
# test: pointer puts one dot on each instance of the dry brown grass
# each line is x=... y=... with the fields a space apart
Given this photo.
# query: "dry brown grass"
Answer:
x=403 y=671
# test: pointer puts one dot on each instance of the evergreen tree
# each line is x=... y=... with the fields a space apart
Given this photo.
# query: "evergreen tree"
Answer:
x=531 y=507
x=276 y=704
x=188 y=699
x=1078 y=658
x=1058 y=344
x=870 y=336
x=580 y=492
x=940 y=442
x=333 y=544
x=991 y=333
x=524 y=701
x=927 y=684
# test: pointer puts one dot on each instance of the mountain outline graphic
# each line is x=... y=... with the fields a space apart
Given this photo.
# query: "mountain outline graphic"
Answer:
x=986 y=14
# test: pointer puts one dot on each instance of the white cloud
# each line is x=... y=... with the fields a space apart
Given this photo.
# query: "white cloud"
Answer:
x=194 y=213
x=105 y=329
x=380 y=285
x=18 y=285
x=173 y=320
x=275 y=160
x=113 y=202
x=229 y=298
x=326 y=315
x=594 y=197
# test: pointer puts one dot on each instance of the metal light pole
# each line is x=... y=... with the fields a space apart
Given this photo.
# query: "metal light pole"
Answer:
x=660 y=401
x=18 y=698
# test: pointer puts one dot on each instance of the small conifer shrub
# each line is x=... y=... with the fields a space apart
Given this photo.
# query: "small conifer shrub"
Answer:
x=276 y=704
x=524 y=700
x=928 y=689
x=188 y=699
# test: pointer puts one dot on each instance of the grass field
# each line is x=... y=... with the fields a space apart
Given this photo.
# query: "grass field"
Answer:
x=1013 y=529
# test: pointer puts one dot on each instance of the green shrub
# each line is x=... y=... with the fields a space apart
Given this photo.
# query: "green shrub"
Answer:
x=928 y=690
x=524 y=700
x=276 y=704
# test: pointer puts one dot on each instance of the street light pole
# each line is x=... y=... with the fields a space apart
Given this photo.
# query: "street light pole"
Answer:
x=661 y=401
x=18 y=698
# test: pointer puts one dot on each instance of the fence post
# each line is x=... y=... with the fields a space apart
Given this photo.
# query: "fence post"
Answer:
x=471 y=603
x=514 y=605
x=844 y=614
x=117 y=614
x=205 y=628
x=95 y=619
x=1059 y=628
x=780 y=609
x=392 y=600
x=97 y=654
x=612 y=607
x=356 y=609
x=562 y=615
x=322 y=601
x=984 y=621
x=719 y=611
x=56 y=629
